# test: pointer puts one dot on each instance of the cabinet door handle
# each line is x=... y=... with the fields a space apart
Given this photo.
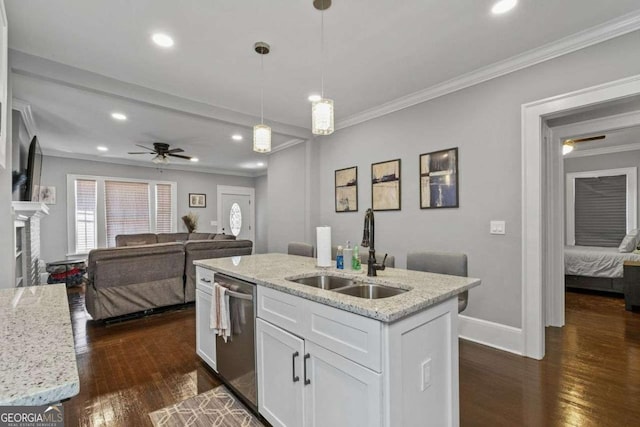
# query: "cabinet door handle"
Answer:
x=293 y=364
x=306 y=380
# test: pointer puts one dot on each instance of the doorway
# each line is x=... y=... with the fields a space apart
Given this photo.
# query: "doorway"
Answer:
x=236 y=212
x=542 y=210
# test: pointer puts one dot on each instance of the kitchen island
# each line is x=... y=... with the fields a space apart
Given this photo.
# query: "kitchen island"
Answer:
x=325 y=357
x=37 y=354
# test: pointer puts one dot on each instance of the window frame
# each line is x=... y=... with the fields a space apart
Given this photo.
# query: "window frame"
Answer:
x=101 y=221
x=632 y=197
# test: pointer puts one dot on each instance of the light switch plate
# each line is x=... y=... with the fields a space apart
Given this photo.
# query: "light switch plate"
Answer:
x=426 y=375
x=497 y=227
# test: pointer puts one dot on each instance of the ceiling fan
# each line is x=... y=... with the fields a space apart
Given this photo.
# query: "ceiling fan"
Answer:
x=162 y=152
x=568 y=144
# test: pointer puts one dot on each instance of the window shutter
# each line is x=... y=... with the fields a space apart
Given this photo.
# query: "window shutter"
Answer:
x=600 y=210
x=164 y=219
x=127 y=209
x=86 y=198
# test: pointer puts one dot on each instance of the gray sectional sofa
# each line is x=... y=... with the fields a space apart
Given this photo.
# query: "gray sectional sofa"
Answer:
x=146 y=271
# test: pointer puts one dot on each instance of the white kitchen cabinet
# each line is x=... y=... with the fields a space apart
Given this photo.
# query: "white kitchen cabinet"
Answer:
x=280 y=375
x=205 y=336
x=354 y=370
x=340 y=392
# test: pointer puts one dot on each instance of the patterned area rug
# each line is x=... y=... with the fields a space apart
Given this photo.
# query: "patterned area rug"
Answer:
x=217 y=407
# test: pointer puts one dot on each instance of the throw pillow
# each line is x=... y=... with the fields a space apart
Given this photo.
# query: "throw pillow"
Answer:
x=629 y=243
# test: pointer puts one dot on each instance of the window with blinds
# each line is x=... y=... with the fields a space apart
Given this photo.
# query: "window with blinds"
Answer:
x=126 y=209
x=85 y=215
x=600 y=210
x=164 y=209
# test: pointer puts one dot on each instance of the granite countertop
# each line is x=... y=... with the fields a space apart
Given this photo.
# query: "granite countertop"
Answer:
x=37 y=354
x=273 y=270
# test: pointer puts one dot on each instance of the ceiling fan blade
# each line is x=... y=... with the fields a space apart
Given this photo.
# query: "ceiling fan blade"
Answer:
x=180 y=156
x=146 y=148
x=175 y=150
x=591 y=138
x=139 y=152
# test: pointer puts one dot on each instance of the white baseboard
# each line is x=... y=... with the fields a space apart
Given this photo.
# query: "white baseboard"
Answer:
x=492 y=334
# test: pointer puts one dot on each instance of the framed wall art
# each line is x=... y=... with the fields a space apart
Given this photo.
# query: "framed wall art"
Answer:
x=439 y=179
x=385 y=185
x=346 y=194
x=197 y=200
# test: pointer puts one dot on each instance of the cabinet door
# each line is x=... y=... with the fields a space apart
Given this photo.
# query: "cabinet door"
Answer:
x=205 y=336
x=340 y=392
x=280 y=377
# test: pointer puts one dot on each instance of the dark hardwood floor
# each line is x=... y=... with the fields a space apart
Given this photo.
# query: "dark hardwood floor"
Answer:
x=589 y=377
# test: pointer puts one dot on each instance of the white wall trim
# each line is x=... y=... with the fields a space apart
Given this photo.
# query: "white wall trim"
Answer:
x=534 y=220
x=492 y=334
x=27 y=116
x=288 y=144
x=598 y=34
x=632 y=197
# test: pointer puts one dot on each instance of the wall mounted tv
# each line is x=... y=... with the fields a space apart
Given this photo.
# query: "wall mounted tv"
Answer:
x=34 y=171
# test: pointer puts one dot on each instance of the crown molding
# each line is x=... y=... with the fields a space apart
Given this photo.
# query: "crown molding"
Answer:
x=126 y=162
x=288 y=144
x=27 y=115
x=598 y=34
x=603 y=150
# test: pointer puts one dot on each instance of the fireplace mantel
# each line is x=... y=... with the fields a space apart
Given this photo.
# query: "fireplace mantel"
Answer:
x=30 y=209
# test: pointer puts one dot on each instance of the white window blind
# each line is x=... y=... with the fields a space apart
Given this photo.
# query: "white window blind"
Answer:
x=126 y=209
x=85 y=215
x=163 y=208
x=600 y=210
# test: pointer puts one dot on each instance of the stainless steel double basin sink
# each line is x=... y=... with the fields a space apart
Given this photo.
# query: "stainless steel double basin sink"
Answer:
x=346 y=286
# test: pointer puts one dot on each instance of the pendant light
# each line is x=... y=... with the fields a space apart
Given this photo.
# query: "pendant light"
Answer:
x=322 y=109
x=262 y=132
x=567 y=147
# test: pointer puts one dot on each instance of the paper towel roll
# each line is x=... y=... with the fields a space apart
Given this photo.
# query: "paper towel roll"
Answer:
x=323 y=245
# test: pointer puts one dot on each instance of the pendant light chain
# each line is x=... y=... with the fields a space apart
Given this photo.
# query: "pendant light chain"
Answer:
x=262 y=89
x=322 y=51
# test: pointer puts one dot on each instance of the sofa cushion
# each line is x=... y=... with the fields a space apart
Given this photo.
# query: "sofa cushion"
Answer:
x=139 y=239
x=172 y=237
x=199 y=236
x=224 y=237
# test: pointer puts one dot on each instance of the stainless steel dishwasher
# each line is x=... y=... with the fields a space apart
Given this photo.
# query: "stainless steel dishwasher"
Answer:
x=236 y=358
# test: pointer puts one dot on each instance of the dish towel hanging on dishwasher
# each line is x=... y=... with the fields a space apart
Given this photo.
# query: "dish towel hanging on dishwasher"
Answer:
x=220 y=319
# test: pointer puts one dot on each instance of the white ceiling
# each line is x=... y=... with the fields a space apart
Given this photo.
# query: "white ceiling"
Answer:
x=376 y=51
x=623 y=137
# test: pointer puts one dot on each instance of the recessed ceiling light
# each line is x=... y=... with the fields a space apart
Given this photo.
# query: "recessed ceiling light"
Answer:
x=314 y=97
x=195 y=159
x=503 y=6
x=260 y=164
x=119 y=116
x=162 y=40
x=236 y=137
x=102 y=148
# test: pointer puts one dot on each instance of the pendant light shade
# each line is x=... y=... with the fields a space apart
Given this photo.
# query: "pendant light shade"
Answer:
x=262 y=132
x=322 y=117
x=261 y=139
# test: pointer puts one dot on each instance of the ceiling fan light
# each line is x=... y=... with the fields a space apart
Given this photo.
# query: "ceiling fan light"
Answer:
x=322 y=117
x=261 y=138
x=567 y=147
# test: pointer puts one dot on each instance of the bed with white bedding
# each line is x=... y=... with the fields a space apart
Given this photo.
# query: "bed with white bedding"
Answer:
x=594 y=267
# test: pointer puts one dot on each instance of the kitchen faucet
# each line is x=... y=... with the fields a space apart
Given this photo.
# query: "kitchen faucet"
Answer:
x=368 y=241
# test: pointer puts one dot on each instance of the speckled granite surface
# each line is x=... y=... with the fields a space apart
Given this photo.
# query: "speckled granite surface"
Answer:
x=37 y=355
x=273 y=270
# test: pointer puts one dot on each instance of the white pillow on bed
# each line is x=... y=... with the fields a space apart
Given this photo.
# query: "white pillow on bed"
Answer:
x=630 y=241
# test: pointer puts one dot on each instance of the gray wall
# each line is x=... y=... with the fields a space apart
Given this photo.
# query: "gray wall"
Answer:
x=7 y=231
x=484 y=122
x=626 y=159
x=55 y=170
x=287 y=212
x=262 y=209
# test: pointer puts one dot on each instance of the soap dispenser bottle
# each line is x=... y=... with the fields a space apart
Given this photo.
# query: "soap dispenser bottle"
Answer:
x=355 y=261
x=348 y=256
x=340 y=259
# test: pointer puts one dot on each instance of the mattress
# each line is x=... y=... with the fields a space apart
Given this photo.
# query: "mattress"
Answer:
x=594 y=261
